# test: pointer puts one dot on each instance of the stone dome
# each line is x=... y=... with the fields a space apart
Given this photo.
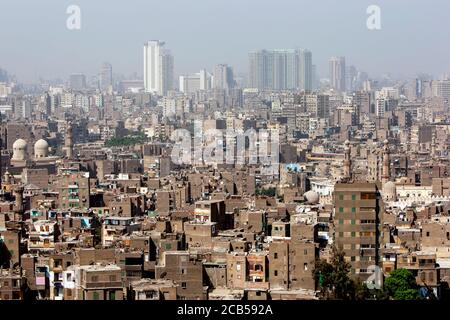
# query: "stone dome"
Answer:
x=41 y=149
x=311 y=197
x=19 y=149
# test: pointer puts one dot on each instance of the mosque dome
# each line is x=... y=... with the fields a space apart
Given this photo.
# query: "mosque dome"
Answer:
x=41 y=149
x=311 y=197
x=19 y=149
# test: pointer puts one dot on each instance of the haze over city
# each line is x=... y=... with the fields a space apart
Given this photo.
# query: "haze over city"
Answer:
x=203 y=33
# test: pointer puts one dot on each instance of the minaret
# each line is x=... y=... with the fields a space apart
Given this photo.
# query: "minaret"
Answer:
x=68 y=141
x=433 y=143
x=18 y=194
x=347 y=161
x=385 y=174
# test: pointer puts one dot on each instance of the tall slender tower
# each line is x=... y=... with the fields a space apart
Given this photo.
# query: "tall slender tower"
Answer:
x=106 y=78
x=306 y=70
x=347 y=161
x=385 y=174
x=158 y=68
x=18 y=194
x=68 y=141
x=337 y=73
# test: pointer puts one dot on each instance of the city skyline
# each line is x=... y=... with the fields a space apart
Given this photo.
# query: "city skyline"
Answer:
x=83 y=50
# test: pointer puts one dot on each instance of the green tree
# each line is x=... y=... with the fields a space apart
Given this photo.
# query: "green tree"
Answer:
x=333 y=278
x=401 y=285
x=270 y=192
x=334 y=281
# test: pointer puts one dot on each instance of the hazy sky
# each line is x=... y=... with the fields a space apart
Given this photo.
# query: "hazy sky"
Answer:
x=35 y=42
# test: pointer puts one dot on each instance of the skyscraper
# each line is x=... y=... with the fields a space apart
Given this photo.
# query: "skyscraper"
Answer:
x=78 y=81
x=337 y=73
x=306 y=70
x=223 y=77
x=106 y=78
x=158 y=68
x=280 y=69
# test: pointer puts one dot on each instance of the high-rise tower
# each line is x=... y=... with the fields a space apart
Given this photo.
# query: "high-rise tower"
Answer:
x=337 y=73
x=158 y=68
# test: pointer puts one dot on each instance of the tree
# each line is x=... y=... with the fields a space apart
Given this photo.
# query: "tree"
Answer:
x=270 y=192
x=401 y=285
x=333 y=278
x=335 y=282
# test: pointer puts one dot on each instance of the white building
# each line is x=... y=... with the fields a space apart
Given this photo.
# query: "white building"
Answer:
x=337 y=73
x=158 y=68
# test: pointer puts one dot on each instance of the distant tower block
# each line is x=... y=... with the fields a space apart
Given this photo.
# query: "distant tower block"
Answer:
x=385 y=174
x=347 y=161
x=69 y=141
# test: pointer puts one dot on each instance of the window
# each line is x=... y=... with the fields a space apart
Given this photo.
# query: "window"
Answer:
x=353 y=197
x=341 y=209
x=368 y=196
x=275 y=255
x=353 y=221
x=275 y=273
x=353 y=234
x=353 y=209
x=341 y=197
x=305 y=266
x=112 y=295
x=305 y=252
x=16 y=283
x=353 y=258
x=183 y=285
x=428 y=233
x=341 y=221
x=95 y=296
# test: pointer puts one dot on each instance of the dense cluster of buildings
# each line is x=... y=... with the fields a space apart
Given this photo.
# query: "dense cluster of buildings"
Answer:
x=93 y=207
